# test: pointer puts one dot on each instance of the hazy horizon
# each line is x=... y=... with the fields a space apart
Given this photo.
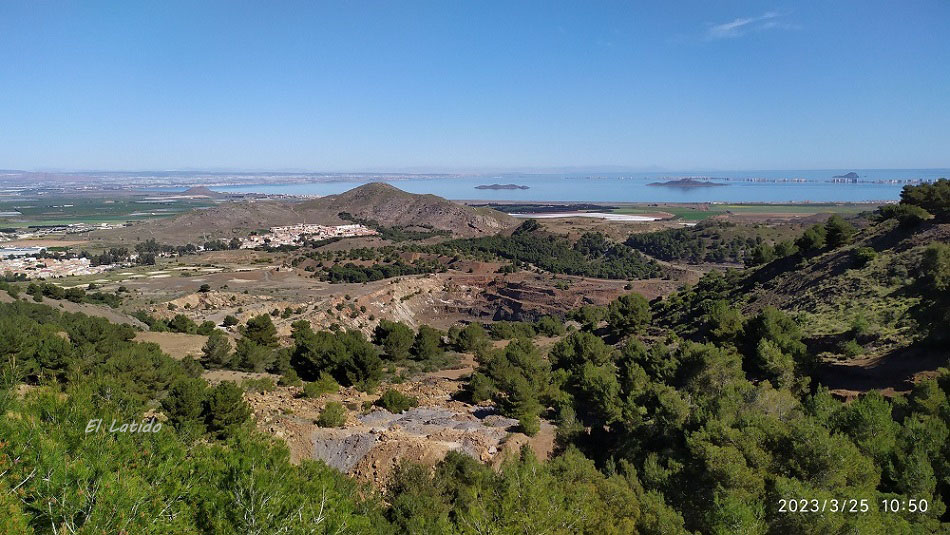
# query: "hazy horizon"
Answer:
x=462 y=170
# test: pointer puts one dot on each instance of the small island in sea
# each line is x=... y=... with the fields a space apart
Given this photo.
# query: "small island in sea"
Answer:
x=686 y=183
x=852 y=174
x=502 y=186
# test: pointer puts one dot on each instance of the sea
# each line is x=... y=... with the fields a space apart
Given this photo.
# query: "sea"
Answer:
x=775 y=186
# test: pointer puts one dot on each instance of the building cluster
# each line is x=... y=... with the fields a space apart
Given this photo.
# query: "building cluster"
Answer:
x=295 y=234
x=44 y=231
x=47 y=268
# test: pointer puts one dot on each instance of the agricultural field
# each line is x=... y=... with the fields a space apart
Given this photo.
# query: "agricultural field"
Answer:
x=58 y=209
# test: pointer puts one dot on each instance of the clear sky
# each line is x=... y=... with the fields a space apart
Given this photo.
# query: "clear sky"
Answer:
x=361 y=85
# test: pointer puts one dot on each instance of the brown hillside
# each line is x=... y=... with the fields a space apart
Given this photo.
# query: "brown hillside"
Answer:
x=392 y=206
x=377 y=201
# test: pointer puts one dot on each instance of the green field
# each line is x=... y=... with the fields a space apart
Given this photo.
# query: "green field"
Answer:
x=64 y=210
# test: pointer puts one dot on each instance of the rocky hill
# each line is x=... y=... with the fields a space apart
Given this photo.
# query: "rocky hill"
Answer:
x=380 y=202
x=390 y=205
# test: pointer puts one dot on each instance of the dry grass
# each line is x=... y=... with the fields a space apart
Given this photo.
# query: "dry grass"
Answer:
x=177 y=345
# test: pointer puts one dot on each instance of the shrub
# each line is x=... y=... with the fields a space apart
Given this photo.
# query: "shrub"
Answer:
x=260 y=385
x=427 y=345
x=395 y=402
x=762 y=254
x=907 y=215
x=838 y=232
x=254 y=357
x=628 y=314
x=345 y=355
x=216 y=352
x=290 y=378
x=206 y=328
x=332 y=415
x=935 y=267
x=183 y=324
x=529 y=424
x=785 y=248
x=471 y=338
x=508 y=330
x=934 y=198
x=851 y=349
x=192 y=367
x=261 y=330
x=811 y=240
x=395 y=338
x=863 y=256
x=548 y=326
x=225 y=409
x=184 y=404
x=324 y=385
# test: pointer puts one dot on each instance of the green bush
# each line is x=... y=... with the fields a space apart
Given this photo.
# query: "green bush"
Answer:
x=206 y=328
x=628 y=314
x=851 y=349
x=934 y=198
x=253 y=357
x=182 y=324
x=184 y=405
x=332 y=415
x=225 y=410
x=548 y=326
x=507 y=330
x=325 y=384
x=906 y=214
x=346 y=355
x=395 y=338
x=216 y=352
x=864 y=255
x=471 y=338
x=289 y=378
x=259 y=385
x=529 y=424
x=427 y=345
x=813 y=239
x=261 y=330
x=395 y=402
x=935 y=267
x=838 y=232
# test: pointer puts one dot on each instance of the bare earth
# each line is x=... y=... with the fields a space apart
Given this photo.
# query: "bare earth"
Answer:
x=177 y=345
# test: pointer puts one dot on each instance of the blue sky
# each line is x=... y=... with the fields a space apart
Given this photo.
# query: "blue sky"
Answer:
x=365 y=85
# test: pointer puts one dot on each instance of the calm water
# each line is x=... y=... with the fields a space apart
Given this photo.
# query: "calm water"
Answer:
x=633 y=187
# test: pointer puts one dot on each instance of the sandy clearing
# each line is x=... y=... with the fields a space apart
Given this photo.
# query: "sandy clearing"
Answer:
x=178 y=345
